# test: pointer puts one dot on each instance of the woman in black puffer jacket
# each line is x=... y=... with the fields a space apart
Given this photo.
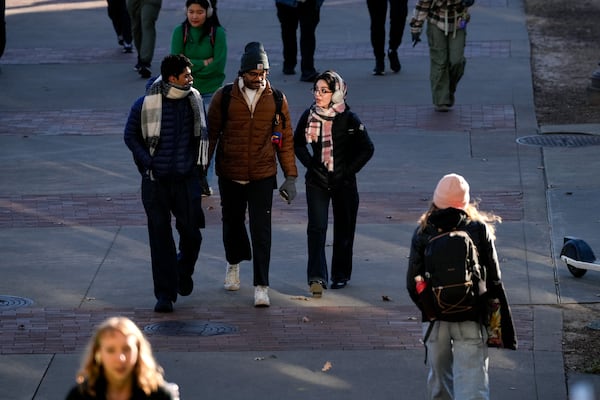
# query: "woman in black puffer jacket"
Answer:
x=333 y=145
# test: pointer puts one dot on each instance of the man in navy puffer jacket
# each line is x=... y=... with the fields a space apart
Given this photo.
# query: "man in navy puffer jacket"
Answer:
x=166 y=133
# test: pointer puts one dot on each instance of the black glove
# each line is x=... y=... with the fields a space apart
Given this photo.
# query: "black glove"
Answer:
x=416 y=38
x=288 y=189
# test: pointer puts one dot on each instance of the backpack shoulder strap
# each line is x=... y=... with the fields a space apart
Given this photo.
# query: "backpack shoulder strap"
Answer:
x=225 y=100
x=279 y=117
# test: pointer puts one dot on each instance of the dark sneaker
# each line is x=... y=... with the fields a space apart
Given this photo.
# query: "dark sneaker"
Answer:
x=338 y=285
x=145 y=72
x=379 y=68
x=442 y=108
x=137 y=66
x=289 y=71
x=186 y=285
x=309 y=76
x=127 y=48
x=394 y=61
x=163 y=306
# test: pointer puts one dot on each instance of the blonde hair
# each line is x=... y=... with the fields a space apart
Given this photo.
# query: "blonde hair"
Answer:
x=148 y=375
x=474 y=214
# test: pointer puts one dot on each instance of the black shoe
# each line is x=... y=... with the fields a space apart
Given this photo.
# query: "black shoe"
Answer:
x=442 y=108
x=338 y=285
x=289 y=71
x=137 y=67
x=309 y=76
x=394 y=61
x=163 y=305
x=145 y=72
x=127 y=48
x=379 y=68
x=186 y=285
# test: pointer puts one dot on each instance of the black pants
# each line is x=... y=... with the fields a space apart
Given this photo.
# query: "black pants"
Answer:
x=118 y=14
x=307 y=15
x=183 y=199
x=257 y=198
x=377 y=12
x=344 y=203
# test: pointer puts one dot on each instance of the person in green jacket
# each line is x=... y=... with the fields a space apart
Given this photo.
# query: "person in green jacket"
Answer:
x=202 y=39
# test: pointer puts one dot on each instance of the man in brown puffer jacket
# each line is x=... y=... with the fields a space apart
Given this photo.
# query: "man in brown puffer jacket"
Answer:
x=248 y=145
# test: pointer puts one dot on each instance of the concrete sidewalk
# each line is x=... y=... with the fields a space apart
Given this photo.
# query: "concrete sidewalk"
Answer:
x=73 y=238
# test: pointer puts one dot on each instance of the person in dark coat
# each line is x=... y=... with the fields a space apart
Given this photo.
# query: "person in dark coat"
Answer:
x=333 y=145
x=167 y=134
x=457 y=354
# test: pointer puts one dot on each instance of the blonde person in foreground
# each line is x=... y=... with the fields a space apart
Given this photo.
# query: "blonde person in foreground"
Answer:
x=118 y=365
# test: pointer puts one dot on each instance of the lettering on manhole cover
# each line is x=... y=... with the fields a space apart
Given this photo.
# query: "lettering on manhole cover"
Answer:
x=560 y=140
x=12 y=302
x=189 y=328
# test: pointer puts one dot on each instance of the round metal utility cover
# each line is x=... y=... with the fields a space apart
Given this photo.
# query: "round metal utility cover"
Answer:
x=189 y=328
x=595 y=325
x=12 y=302
x=560 y=140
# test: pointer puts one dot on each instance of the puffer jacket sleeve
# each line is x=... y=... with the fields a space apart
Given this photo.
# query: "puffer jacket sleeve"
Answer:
x=285 y=154
x=133 y=137
x=362 y=145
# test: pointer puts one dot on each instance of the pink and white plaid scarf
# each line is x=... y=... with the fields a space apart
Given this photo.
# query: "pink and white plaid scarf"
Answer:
x=319 y=124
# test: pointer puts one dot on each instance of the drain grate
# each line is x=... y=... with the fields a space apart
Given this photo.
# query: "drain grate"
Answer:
x=12 y=302
x=560 y=140
x=189 y=328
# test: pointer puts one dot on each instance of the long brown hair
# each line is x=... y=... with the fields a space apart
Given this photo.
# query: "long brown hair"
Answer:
x=147 y=373
x=474 y=214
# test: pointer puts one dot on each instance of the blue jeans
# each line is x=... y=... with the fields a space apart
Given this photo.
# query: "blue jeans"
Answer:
x=457 y=357
x=210 y=172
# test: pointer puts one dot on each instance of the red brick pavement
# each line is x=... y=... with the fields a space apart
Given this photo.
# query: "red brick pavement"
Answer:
x=43 y=330
x=125 y=209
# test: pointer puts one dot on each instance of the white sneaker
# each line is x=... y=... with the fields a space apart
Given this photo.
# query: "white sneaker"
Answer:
x=261 y=296
x=232 y=277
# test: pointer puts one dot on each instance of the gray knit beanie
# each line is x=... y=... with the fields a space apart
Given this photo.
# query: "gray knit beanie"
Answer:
x=254 y=57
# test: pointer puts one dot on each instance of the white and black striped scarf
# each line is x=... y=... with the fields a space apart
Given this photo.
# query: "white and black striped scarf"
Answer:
x=152 y=115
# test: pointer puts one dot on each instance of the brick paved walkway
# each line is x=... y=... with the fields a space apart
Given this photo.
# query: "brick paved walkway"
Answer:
x=389 y=327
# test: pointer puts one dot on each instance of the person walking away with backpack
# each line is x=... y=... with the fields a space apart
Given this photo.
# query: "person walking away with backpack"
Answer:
x=202 y=39
x=333 y=145
x=446 y=35
x=455 y=331
x=248 y=143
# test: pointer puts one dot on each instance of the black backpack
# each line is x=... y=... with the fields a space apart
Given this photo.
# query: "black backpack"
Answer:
x=452 y=273
x=277 y=96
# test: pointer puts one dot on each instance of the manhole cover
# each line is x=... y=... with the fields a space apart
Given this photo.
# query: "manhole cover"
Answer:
x=10 y=302
x=560 y=140
x=595 y=325
x=189 y=328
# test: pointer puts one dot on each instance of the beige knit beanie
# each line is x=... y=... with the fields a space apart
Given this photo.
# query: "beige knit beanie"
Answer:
x=451 y=191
